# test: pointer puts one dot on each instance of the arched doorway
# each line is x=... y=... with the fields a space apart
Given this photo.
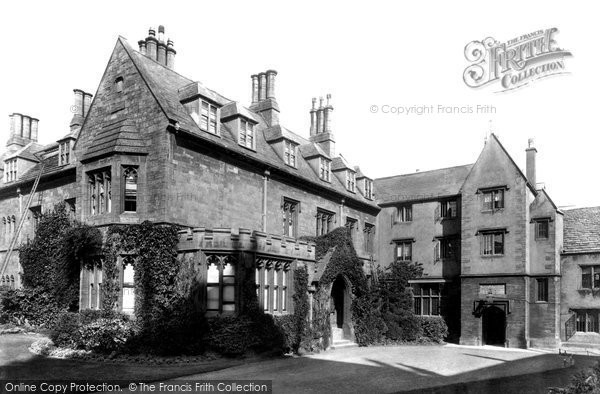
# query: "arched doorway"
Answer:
x=494 y=326
x=341 y=326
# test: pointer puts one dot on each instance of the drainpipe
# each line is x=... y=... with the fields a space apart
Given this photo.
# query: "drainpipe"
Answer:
x=342 y=212
x=266 y=175
x=20 y=200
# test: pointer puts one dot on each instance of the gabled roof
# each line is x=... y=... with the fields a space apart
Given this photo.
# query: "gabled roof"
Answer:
x=26 y=152
x=166 y=84
x=234 y=108
x=423 y=185
x=582 y=230
x=277 y=132
x=339 y=163
x=120 y=136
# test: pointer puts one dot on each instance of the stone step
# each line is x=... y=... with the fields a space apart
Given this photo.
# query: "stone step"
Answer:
x=344 y=343
x=583 y=346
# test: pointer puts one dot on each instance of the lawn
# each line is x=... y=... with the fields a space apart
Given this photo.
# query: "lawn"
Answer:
x=17 y=362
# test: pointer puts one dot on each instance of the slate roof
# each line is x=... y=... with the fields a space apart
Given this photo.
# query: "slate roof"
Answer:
x=167 y=85
x=582 y=230
x=120 y=136
x=422 y=185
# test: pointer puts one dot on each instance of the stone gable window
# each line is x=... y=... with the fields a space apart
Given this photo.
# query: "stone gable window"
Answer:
x=368 y=189
x=493 y=199
x=542 y=228
x=119 y=85
x=369 y=237
x=324 y=169
x=404 y=214
x=289 y=154
x=100 y=192
x=446 y=249
x=130 y=189
x=246 y=136
x=448 y=209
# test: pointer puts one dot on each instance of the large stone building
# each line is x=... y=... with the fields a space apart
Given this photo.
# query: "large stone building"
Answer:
x=155 y=145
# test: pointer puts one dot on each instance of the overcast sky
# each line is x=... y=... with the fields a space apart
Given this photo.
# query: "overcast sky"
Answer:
x=365 y=54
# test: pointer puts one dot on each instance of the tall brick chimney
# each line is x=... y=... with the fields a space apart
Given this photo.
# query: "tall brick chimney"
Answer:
x=23 y=130
x=264 y=101
x=530 y=165
x=157 y=48
x=320 y=125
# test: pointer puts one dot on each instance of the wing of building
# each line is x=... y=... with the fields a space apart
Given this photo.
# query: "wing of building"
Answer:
x=155 y=145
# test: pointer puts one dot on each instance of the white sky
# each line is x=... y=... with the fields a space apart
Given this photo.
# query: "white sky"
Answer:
x=363 y=53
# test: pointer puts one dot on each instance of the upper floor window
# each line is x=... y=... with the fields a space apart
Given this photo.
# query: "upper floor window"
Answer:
x=204 y=114
x=119 y=85
x=542 y=227
x=130 y=181
x=220 y=284
x=324 y=169
x=404 y=250
x=325 y=220
x=290 y=217
x=590 y=277
x=369 y=232
x=368 y=189
x=404 y=214
x=446 y=249
x=246 y=137
x=449 y=209
x=350 y=180
x=64 y=153
x=70 y=205
x=493 y=199
x=289 y=155
x=352 y=224
x=542 y=289
x=36 y=215
x=100 y=192
x=10 y=170
x=492 y=243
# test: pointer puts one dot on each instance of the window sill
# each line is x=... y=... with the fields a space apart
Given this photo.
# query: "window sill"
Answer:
x=487 y=256
x=402 y=222
x=248 y=148
x=492 y=211
x=291 y=166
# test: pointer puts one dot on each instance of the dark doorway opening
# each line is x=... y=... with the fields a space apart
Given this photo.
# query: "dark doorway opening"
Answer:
x=337 y=294
x=494 y=326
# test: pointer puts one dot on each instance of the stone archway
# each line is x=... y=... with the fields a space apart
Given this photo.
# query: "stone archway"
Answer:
x=340 y=309
x=493 y=326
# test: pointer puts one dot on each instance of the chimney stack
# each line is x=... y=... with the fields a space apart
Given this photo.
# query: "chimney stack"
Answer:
x=23 y=130
x=320 y=125
x=530 y=165
x=263 y=96
x=156 y=48
x=81 y=105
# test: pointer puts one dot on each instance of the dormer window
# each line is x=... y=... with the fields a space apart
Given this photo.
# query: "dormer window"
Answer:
x=10 y=170
x=246 y=135
x=350 y=180
x=64 y=153
x=289 y=154
x=324 y=169
x=368 y=189
x=204 y=114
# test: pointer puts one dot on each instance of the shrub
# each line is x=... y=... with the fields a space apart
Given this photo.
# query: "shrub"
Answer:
x=231 y=335
x=106 y=335
x=434 y=328
x=87 y=316
x=402 y=325
x=29 y=305
x=65 y=330
x=287 y=326
x=369 y=327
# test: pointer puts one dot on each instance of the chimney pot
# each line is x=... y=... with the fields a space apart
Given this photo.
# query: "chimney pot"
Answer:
x=18 y=121
x=34 y=129
x=87 y=101
x=161 y=33
x=327 y=114
x=161 y=55
x=26 y=127
x=142 y=46
x=271 y=83
x=151 y=43
x=313 y=117
x=262 y=86
x=254 y=78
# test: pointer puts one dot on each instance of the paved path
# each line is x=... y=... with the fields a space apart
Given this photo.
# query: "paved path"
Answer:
x=392 y=369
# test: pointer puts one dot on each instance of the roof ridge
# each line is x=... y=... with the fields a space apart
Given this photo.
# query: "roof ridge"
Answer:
x=423 y=172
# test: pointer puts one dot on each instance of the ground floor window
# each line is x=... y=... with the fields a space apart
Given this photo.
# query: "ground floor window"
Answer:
x=220 y=284
x=272 y=278
x=590 y=277
x=128 y=305
x=7 y=282
x=427 y=299
x=587 y=320
x=542 y=289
